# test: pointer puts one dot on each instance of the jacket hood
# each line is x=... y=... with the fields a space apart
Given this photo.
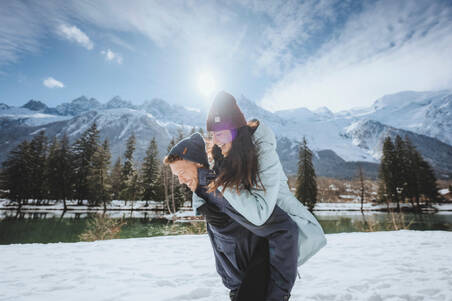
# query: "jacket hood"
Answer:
x=264 y=134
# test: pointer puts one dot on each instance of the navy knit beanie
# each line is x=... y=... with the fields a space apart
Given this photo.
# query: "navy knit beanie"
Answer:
x=192 y=149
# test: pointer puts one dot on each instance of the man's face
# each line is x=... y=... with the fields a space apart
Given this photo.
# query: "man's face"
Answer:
x=187 y=173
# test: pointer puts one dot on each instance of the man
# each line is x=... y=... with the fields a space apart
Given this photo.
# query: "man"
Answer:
x=241 y=257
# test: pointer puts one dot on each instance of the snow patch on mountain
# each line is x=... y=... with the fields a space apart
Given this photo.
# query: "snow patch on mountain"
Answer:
x=30 y=118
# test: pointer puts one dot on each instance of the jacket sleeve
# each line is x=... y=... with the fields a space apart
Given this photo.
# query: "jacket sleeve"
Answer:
x=257 y=205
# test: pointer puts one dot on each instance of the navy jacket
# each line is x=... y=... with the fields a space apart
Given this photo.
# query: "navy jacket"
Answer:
x=280 y=231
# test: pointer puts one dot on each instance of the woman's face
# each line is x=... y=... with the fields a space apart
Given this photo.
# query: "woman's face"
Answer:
x=224 y=140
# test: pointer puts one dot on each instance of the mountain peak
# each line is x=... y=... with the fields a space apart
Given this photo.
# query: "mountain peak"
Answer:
x=323 y=111
x=4 y=106
x=117 y=102
x=35 y=105
x=78 y=105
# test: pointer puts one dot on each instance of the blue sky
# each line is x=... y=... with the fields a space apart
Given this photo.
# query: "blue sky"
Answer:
x=281 y=54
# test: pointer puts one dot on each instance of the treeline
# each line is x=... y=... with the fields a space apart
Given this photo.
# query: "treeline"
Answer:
x=404 y=176
x=46 y=170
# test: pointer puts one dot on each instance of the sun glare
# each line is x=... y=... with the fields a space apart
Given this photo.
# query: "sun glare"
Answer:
x=206 y=84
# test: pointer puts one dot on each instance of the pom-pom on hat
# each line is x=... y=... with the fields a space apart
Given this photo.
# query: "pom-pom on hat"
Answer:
x=192 y=149
x=224 y=113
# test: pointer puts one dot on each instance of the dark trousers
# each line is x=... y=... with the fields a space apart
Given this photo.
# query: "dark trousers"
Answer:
x=255 y=281
x=242 y=260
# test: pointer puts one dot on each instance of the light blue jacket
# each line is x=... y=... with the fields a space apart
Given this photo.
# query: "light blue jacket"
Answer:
x=258 y=205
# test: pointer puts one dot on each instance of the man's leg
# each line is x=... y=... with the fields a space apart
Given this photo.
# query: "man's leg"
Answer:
x=256 y=278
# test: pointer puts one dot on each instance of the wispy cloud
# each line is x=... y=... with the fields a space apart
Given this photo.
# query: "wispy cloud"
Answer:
x=73 y=33
x=294 y=28
x=387 y=47
x=19 y=31
x=120 y=42
x=198 y=28
x=50 y=82
x=111 y=56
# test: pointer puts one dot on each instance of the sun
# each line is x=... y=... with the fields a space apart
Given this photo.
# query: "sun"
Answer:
x=206 y=84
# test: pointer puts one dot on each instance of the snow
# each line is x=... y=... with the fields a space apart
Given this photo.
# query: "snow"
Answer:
x=119 y=205
x=395 y=265
x=72 y=205
x=444 y=191
x=31 y=118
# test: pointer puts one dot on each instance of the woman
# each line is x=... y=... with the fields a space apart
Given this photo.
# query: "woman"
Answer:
x=251 y=187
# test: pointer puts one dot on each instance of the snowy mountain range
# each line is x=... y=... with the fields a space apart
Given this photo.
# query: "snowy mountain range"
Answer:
x=339 y=140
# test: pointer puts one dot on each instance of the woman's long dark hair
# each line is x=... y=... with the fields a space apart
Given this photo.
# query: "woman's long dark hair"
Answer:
x=240 y=168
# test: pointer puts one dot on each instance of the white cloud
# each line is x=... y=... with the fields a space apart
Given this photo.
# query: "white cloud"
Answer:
x=73 y=33
x=389 y=47
x=50 y=82
x=111 y=56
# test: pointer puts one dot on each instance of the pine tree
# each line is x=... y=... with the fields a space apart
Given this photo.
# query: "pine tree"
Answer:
x=128 y=171
x=428 y=186
x=421 y=178
x=84 y=149
x=37 y=166
x=401 y=167
x=52 y=170
x=152 y=186
x=60 y=170
x=412 y=176
x=306 y=186
x=98 y=177
x=136 y=185
x=116 y=180
x=386 y=171
x=66 y=170
x=16 y=174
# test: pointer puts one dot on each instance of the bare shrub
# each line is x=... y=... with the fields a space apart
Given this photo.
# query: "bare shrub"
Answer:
x=198 y=227
x=102 y=227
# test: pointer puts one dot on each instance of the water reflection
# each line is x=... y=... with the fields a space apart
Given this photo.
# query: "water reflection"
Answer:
x=72 y=214
x=58 y=226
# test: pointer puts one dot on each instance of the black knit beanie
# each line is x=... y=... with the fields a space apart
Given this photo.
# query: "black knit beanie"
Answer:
x=192 y=149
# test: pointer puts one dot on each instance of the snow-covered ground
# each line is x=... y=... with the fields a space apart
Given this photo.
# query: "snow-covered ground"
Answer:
x=396 y=265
